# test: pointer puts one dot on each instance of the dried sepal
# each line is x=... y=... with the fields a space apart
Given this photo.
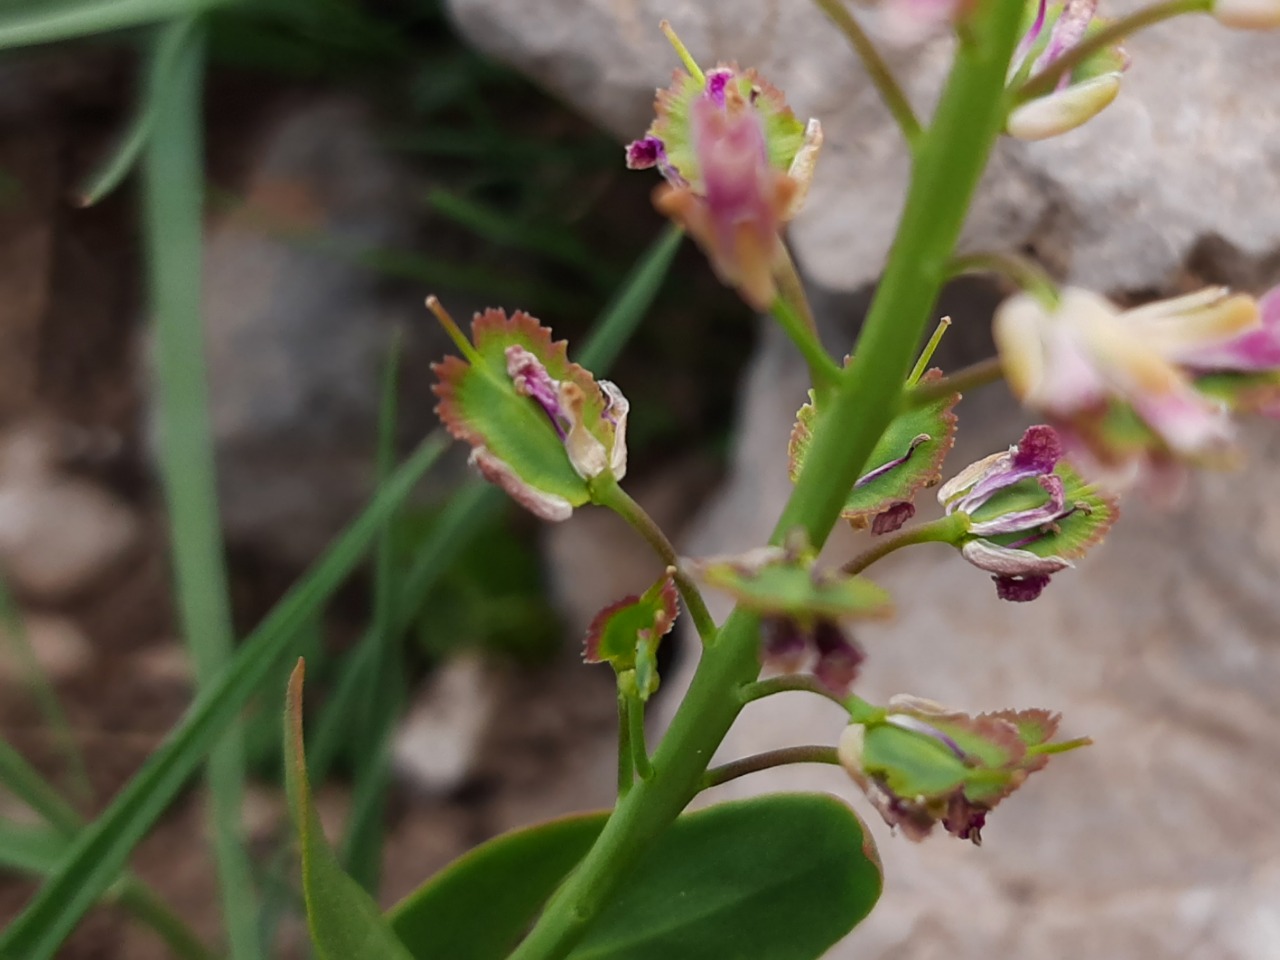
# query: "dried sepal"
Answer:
x=907 y=459
x=922 y=764
x=626 y=633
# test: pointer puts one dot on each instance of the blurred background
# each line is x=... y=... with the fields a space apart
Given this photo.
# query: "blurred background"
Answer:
x=275 y=185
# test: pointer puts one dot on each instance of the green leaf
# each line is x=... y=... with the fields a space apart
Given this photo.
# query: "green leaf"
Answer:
x=463 y=913
x=345 y=923
x=1069 y=537
x=786 y=585
x=924 y=436
x=44 y=22
x=99 y=852
x=781 y=877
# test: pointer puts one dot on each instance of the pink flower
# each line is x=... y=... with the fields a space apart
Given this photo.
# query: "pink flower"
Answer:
x=1134 y=392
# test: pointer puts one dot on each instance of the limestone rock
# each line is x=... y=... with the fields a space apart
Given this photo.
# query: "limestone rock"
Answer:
x=438 y=741
x=1192 y=142
x=58 y=646
x=58 y=533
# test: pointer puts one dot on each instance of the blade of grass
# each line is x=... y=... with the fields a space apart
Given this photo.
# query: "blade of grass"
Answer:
x=45 y=23
x=173 y=227
x=45 y=696
x=99 y=852
x=383 y=692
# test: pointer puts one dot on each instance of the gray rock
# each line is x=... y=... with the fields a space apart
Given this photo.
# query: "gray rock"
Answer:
x=58 y=533
x=298 y=331
x=1185 y=152
x=437 y=743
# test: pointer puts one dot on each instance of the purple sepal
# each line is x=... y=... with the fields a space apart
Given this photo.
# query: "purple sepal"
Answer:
x=1020 y=589
x=1018 y=520
x=892 y=518
x=717 y=81
x=840 y=657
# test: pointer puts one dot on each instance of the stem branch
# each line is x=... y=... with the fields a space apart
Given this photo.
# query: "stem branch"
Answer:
x=943 y=530
x=1047 y=79
x=979 y=374
x=607 y=493
x=763 y=761
x=887 y=86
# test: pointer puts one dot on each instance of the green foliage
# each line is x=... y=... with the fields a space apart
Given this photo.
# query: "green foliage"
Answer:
x=781 y=877
x=477 y=907
x=345 y=923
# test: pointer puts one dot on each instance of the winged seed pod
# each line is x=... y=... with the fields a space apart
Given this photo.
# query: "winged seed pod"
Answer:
x=540 y=427
x=922 y=763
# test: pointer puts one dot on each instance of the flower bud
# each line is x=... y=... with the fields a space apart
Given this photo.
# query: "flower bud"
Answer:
x=1063 y=110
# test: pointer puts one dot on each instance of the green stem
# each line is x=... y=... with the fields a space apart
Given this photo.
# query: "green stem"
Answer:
x=1047 y=79
x=787 y=683
x=943 y=530
x=885 y=83
x=635 y=730
x=1023 y=271
x=763 y=761
x=626 y=769
x=173 y=206
x=979 y=374
x=949 y=162
x=607 y=493
x=824 y=374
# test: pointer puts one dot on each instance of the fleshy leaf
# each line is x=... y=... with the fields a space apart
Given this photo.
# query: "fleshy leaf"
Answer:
x=789 y=586
x=885 y=486
x=477 y=907
x=1068 y=537
x=700 y=892
x=626 y=634
x=343 y=919
x=480 y=404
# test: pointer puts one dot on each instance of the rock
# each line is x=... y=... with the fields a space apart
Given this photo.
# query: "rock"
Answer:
x=1182 y=155
x=438 y=741
x=60 y=649
x=58 y=533
x=1156 y=841
x=299 y=331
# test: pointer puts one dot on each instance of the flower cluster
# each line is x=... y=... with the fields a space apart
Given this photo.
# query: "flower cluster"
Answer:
x=738 y=166
x=1136 y=394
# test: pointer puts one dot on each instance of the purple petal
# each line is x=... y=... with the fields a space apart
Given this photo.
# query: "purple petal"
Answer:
x=645 y=153
x=783 y=644
x=1020 y=589
x=1010 y=561
x=1257 y=349
x=892 y=464
x=717 y=81
x=839 y=657
x=1035 y=455
x=1019 y=520
x=1186 y=420
x=1067 y=32
x=1039 y=449
x=532 y=380
x=1029 y=39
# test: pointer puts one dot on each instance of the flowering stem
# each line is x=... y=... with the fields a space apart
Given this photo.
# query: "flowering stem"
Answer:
x=887 y=86
x=1023 y=271
x=949 y=161
x=1047 y=79
x=979 y=374
x=823 y=372
x=943 y=530
x=859 y=710
x=626 y=770
x=635 y=730
x=764 y=761
x=606 y=492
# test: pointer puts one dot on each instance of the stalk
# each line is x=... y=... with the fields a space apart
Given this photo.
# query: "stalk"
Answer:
x=950 y=160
